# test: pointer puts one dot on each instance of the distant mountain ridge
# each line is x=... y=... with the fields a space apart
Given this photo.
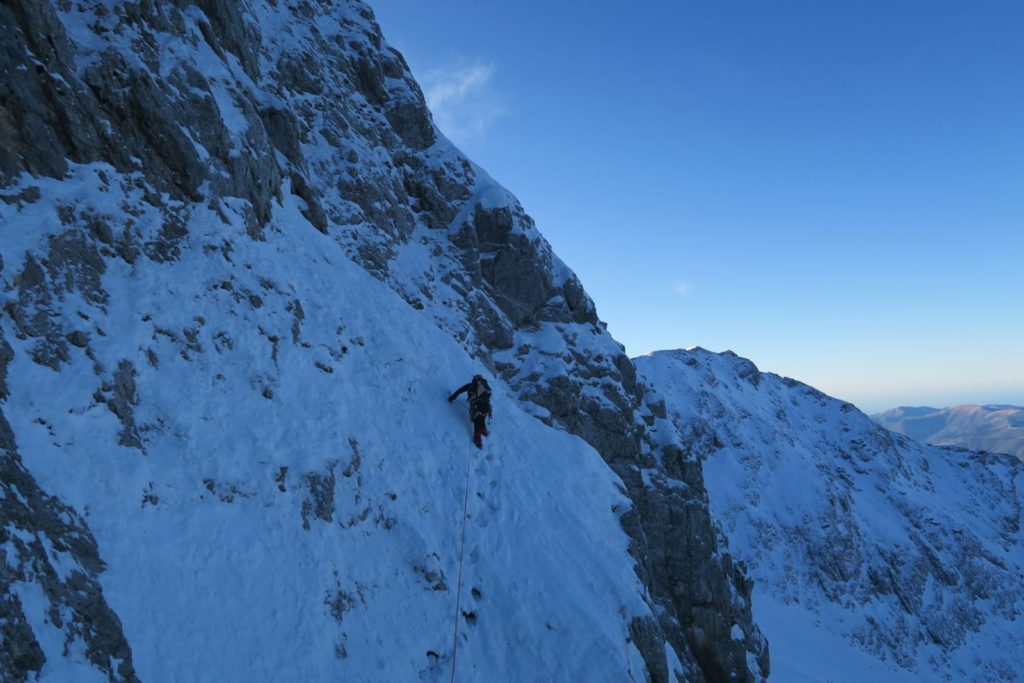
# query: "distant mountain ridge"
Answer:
x=996 y=428
x=874 y=556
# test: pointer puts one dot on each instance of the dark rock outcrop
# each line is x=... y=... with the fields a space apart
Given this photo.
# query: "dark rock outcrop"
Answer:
x=46 y=546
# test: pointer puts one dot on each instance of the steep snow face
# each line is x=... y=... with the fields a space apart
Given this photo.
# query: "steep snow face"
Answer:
x=241 y=268
x=995 y=428
x=258 y=439
x=874 y=557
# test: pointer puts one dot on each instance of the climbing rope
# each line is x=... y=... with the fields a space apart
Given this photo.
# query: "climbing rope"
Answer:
x=462 y=549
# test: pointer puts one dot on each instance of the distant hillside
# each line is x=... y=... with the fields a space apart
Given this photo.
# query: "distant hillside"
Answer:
x=996 y=428
x=873 y=556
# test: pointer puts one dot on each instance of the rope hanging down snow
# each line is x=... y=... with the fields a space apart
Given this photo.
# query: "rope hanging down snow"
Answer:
x=462 y=548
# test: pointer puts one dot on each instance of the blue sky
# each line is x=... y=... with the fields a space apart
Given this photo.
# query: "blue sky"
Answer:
x=833 y=190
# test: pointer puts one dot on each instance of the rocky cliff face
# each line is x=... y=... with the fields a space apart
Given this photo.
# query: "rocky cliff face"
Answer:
x=162 y=153
x=875 y=557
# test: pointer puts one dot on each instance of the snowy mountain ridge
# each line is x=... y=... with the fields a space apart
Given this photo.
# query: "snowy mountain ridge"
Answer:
x=241 y=270
x=873 y=556
x=995 y=428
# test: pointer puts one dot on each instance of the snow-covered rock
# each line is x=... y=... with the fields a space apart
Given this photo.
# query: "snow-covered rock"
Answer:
x=280 y=496
x=874 y=556
x=241 y=269
x=995 y=428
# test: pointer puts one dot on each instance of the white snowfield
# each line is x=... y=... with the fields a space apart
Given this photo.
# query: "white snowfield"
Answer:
x=296 y=510
x=875 y=557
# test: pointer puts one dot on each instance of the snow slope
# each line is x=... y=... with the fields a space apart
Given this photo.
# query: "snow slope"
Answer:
x=145 y=145
x=995 y=428
x=874 y=557
x=293 y=508
x=240 y=270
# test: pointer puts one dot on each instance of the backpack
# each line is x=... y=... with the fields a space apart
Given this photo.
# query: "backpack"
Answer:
x=480 y=396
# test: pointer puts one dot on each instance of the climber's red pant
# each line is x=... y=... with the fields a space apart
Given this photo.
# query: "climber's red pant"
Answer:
x=479 y=430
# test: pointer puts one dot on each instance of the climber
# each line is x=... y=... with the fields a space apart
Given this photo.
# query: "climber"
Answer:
x=479 y=393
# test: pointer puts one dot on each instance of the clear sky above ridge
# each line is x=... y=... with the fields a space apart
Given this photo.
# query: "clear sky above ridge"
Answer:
x=833 y=190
